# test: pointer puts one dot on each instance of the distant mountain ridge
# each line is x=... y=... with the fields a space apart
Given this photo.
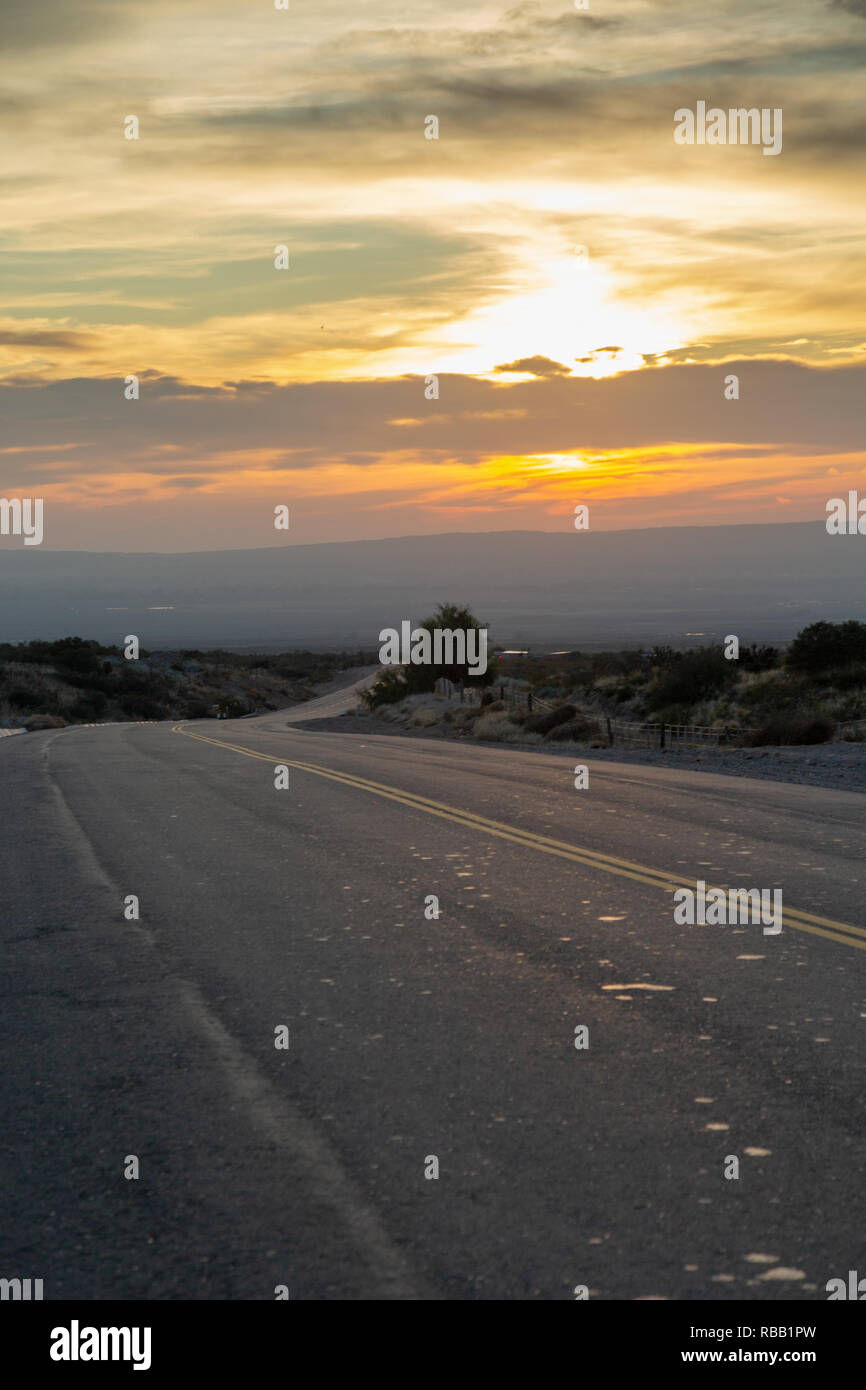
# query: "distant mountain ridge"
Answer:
x=590 y=589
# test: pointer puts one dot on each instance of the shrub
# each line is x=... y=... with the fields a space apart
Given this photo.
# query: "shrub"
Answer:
x=671 y=714
x=575 y=730
x=424 y=717
x=692 y=678
x=464 y=715
x=823 y=646
x=232 y=708
x=511 y=734
x=492 y=726
x=22 y=697
x=140 y=707
x=757 y=658
x=794 y=730
x=74 y=654
x=88 y=707
x=389 y=689
x=612 y=664
x=773 y=694
x=44 y=721
x=848 y=678
x=543 y=723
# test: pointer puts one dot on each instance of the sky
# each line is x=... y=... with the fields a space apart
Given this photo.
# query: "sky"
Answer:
x=580 y=285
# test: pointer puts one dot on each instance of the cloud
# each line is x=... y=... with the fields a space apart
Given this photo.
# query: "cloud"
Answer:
x=602 y=352
x=181 y=429
x=400 y=246
x=49 y=338
x=535 y=366
x=55 y=23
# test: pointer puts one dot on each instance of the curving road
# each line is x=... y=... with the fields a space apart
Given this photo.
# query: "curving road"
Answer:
x=415 y=1038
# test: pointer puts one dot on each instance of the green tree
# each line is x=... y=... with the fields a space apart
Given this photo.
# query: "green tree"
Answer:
x=394 y=684
x=448 y=617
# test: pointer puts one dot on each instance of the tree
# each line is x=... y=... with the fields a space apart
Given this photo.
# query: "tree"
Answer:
x=824 y=646
x=395 y=683
x=448 y=617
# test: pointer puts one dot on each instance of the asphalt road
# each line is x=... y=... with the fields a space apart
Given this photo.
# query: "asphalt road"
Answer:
x=413 y=1038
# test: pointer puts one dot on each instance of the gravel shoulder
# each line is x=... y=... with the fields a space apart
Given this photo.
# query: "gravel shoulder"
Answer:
x=839 y=766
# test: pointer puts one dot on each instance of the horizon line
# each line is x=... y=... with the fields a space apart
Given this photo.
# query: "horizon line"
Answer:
x=419 y=536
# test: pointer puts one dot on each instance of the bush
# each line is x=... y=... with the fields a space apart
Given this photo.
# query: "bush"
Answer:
x=672 y=714
x=464 y=715
x=848 y=678
x=22 y=697
x=824 y=646
x=74 y=654
x=140 y=707
x=691 y=678
x=511 y=734
x=492 y=726
x=543 y=723
x=231 y=708
x=44 y=721
x=574 y=730
x=389 y=689
x=757 y=658
x=424 y=717
x=773 y=695
x=88 y=707
x=794 y=730
x=612 y=664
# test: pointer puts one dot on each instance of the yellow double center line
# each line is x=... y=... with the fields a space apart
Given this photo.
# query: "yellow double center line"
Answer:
x=528 y=839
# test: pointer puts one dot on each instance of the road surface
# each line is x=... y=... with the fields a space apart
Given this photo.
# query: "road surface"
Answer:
x=414 y=1038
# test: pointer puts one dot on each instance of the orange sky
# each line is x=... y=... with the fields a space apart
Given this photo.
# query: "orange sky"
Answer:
x=554 y=236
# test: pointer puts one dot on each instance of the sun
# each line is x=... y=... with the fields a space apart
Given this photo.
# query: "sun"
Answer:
x=575 y=319
x=574 y=315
